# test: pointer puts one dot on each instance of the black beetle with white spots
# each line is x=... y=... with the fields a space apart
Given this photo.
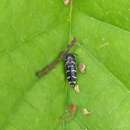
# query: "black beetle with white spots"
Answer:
x=71 y=69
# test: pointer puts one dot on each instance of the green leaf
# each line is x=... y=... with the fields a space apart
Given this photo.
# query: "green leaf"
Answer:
x=33 y=33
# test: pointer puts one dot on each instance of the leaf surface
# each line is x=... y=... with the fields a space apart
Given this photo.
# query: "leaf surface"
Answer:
x=32 y=35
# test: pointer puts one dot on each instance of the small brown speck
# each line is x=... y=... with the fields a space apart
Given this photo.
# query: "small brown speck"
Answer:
x=72 y=108
x=82 y=67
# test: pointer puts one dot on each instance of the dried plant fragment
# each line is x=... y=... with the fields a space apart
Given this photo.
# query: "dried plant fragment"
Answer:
x=85 y=112
x=76 y=88
x=82 y=67
x=67 y=2
x=53 y=64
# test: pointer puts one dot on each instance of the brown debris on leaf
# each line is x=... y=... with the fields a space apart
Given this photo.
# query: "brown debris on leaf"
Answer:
x=82 y=67
x=72 y=108
x=45 y=70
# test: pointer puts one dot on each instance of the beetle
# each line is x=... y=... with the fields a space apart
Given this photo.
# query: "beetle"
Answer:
x=71 y=69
